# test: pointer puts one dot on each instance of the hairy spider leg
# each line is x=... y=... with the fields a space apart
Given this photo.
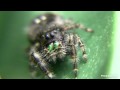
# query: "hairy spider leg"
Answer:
x=74 y=41
x=42 y=64
x=69 y=26
x=72 y=44
x=82 y=48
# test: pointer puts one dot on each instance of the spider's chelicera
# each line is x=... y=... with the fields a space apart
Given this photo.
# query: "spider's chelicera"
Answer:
x=50 y=41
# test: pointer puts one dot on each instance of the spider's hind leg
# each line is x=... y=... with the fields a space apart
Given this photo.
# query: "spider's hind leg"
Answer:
x=69 y=25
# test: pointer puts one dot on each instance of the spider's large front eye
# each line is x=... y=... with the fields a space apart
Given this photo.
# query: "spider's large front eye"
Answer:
x=47 y=36
x=52 y=34
x=55 y=31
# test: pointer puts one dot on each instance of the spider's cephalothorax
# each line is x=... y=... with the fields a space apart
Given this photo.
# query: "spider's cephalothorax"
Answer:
x=50 y=40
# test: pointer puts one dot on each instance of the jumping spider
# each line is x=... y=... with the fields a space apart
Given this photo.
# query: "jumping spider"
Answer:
x=50 y=41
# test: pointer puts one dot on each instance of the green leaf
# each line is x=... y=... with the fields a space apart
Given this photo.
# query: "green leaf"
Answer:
x=99 y=45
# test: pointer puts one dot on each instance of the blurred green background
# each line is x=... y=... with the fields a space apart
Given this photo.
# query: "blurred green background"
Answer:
x=102 y=46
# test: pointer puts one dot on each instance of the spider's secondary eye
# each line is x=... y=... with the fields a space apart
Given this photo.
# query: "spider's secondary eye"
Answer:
x=47 y=36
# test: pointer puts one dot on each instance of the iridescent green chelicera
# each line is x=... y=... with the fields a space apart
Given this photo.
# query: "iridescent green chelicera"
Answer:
x=56 y=44
x=53 y=46
x=50 y=47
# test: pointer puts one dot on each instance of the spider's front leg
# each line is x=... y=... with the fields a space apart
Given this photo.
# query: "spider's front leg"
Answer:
x=74 y=57
x=72 y=43
x=42 y=64
x=82 y=47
